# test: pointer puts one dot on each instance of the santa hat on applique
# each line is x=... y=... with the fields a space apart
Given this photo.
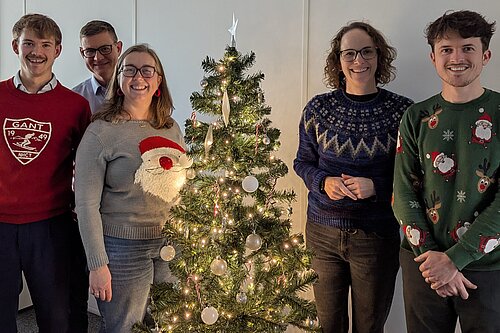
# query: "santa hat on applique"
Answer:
x=158 y=145
x=433 y=156
x=484 y=118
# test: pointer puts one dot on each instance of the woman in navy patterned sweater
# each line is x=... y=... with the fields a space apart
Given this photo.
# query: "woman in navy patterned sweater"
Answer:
x=346 y=158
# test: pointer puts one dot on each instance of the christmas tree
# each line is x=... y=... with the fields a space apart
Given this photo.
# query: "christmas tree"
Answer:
x=239 y=269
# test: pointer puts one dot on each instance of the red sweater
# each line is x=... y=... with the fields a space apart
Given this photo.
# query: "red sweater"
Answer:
x=40 y=134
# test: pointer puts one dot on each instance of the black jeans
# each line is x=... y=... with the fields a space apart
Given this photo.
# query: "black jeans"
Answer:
x=364 y=262
x=40 y=250
x=427 y=312
x=79 y=284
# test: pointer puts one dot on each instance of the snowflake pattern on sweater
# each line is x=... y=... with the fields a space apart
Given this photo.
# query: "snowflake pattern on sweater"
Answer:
x=457 y=172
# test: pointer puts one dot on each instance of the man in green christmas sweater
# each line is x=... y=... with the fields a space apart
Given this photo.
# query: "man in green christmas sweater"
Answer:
x=446 y=192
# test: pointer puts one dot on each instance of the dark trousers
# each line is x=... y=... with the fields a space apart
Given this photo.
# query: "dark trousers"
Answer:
x=40 y=250
x=364 y=262
x=427 y=312
x=79 y=284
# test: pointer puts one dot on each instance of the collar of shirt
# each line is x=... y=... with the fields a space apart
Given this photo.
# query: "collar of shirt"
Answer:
x=97 y=88
x=47 y=87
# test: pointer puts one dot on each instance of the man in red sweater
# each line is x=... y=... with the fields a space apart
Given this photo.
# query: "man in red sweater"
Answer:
x=42 y=124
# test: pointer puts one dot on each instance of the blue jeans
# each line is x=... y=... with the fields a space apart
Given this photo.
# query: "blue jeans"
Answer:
x=134 y=266
x=366 y=263
x=40 y=250
x=426 y=312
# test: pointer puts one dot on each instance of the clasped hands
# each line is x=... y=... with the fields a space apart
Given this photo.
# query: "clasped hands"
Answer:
x=348 y=186
x=442 y=275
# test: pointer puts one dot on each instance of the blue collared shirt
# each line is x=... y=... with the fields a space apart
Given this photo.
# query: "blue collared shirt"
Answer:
x=93 y=92
x=47 y=87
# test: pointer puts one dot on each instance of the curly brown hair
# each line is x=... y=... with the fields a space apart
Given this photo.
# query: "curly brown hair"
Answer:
x=335 y=78
x=161 y=107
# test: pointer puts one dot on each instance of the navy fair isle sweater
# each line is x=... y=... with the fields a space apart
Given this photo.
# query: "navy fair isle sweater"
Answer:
x=338 y=136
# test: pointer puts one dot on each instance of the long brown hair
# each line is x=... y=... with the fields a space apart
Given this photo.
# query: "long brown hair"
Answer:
x=335 y=78
x=160 y=108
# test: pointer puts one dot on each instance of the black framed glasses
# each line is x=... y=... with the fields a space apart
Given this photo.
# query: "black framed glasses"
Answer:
x=104 y=50
x=367 y=53
x=130 y=71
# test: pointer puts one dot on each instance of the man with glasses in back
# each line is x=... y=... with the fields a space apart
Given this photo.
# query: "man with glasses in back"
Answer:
x=100 y=49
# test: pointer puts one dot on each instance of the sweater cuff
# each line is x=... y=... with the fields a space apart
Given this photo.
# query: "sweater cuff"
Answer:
x=98 y=260
x=316 y=185
x=460 y=257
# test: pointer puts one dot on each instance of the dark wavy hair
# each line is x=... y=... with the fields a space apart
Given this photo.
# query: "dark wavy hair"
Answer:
x=464 y=22
x=335 y=78
x=161 y=107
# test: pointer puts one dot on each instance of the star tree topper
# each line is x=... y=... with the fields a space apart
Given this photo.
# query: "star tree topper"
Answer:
x=232 y=31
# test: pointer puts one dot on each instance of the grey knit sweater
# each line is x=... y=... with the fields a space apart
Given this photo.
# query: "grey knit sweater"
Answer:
x=114 y=196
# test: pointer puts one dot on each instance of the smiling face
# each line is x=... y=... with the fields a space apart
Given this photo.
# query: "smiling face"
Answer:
x=102 y=66
x=138 y=88
x=360 y=73
x=37 y=55
x=459 y=61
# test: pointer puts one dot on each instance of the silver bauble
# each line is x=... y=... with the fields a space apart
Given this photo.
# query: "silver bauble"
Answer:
x=218 y=267
x=241 y=297
x=167 y=253
x=253 y=242
x=209 y=315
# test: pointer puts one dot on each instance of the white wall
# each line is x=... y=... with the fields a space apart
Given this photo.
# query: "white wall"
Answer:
x=290 y=38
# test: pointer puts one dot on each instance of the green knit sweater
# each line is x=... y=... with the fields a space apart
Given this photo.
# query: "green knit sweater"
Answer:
x=446 y=192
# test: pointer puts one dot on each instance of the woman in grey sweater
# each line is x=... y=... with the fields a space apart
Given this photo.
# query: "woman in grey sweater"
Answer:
x=130 y=166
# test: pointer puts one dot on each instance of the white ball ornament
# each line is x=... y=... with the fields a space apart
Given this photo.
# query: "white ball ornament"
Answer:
x=167 y=253
x=209 y=315
x=266 y=140
x=241 y=297
x=190 y=174
x=253 y=242
x=204 y=83
x=250 y=184
x=218 y=267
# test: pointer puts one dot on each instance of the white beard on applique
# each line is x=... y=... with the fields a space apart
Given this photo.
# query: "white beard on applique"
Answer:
x=156 y=180
x=483 y=132
x=446 y=165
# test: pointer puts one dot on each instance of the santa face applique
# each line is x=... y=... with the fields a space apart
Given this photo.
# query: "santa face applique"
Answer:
x=443 y=164
x=482 y=131
x=432 y=207
x=488 y=243
x=163 y=169
x=484 y=180
x=459 y=230
x=432 y=119
x=415 y=235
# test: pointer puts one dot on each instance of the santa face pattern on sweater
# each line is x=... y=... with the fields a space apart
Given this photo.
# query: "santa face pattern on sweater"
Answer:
x=482 y=130
x=415 y=235
x=451 y=175
x=26 y=138
x=163 y=169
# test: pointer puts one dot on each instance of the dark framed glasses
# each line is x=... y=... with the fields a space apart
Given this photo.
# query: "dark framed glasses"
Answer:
x=130 y=71
x=104 y=50
x=367 y=53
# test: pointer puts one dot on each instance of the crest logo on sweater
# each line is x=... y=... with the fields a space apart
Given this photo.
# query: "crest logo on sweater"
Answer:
x=26 y=138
